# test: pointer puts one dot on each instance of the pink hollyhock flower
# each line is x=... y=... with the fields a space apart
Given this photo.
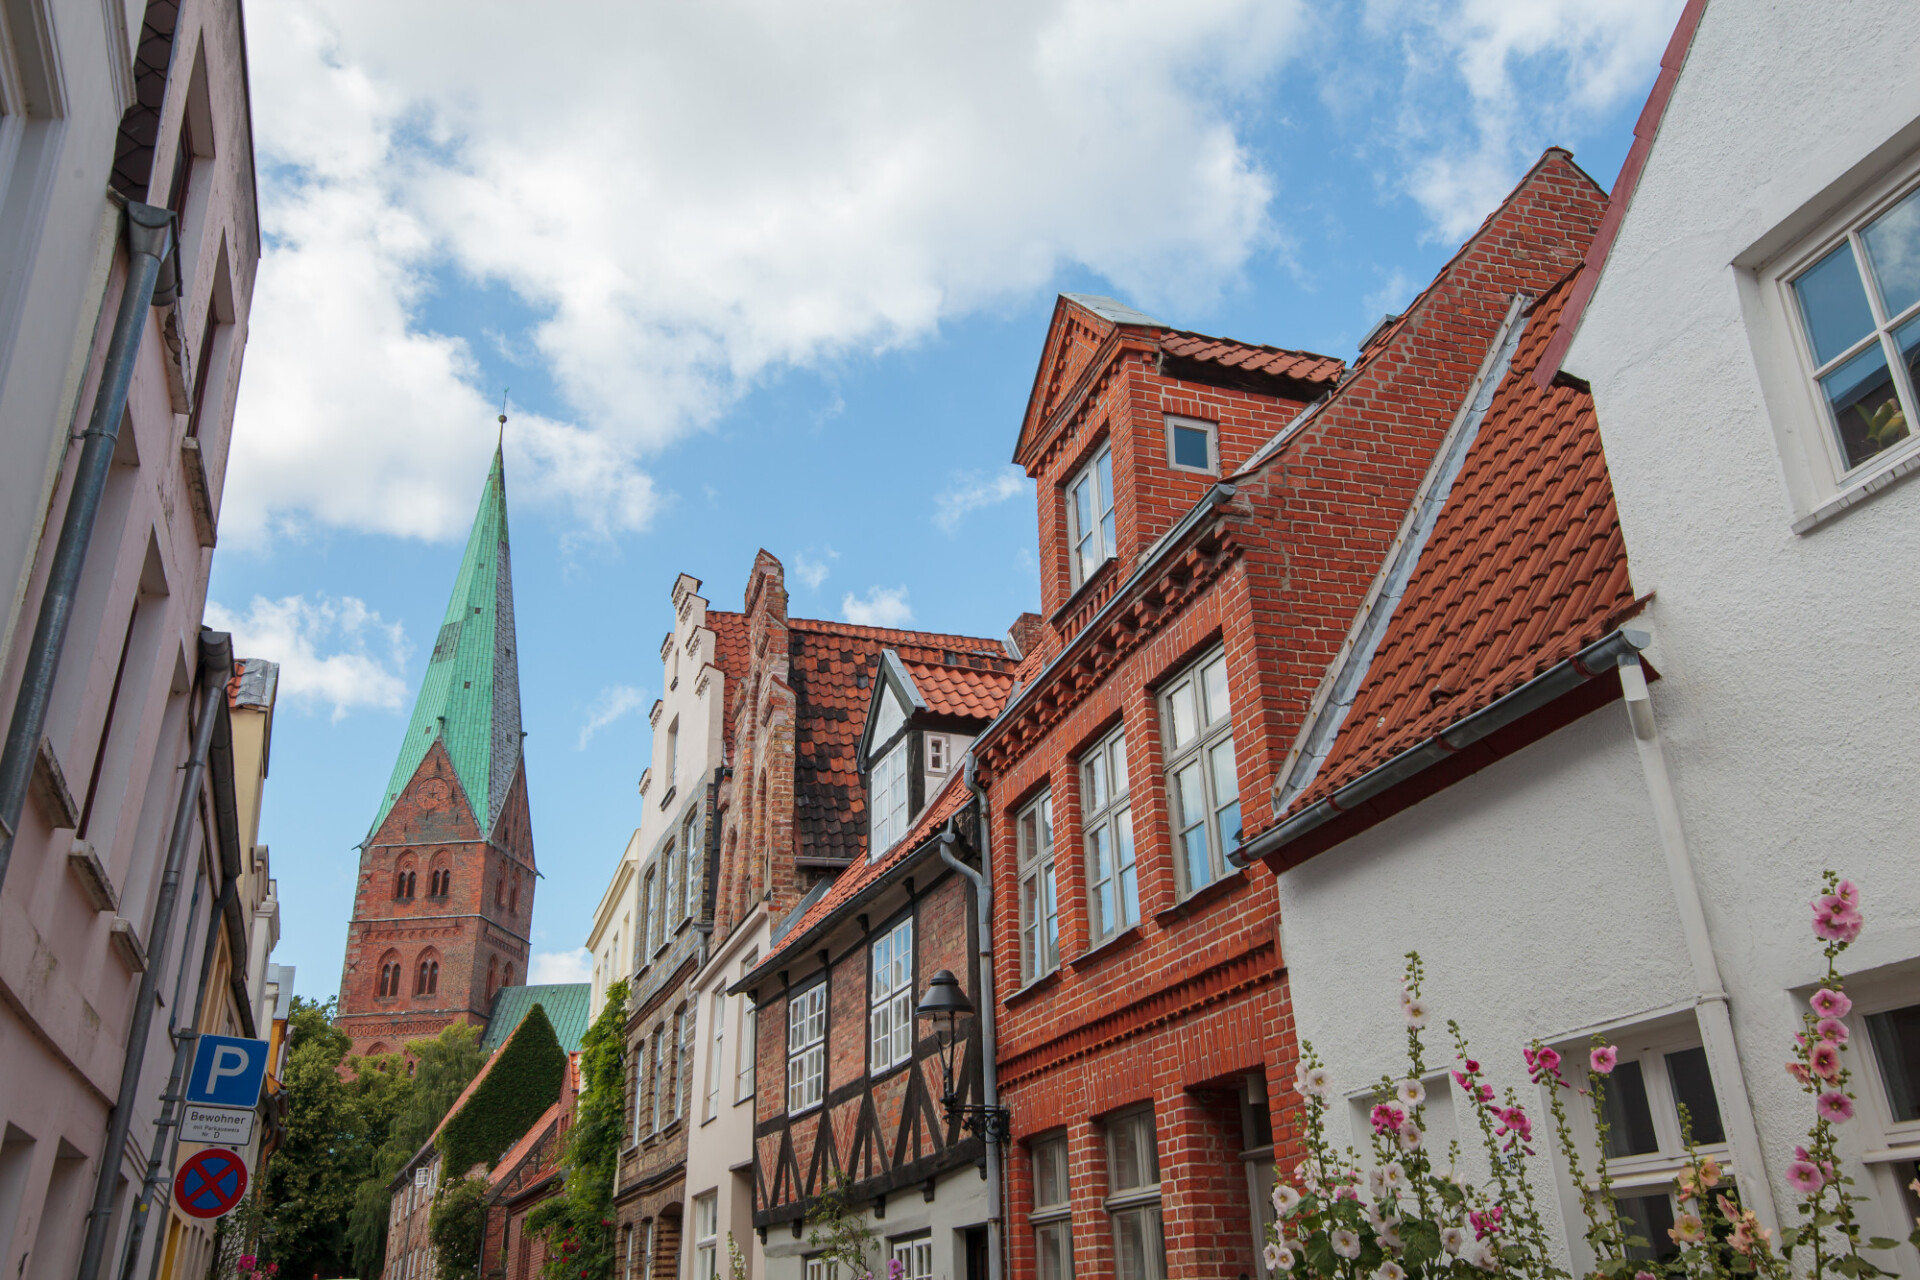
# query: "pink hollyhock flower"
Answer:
x=1831 y=1004
x=1824 y=1060
x=1848 y=892
x=1514 y=1120
x=1643 y=1275
x=1387 y=1119
x=1834 y=920
x=1832 y=1029
x=1460 y=1078
x=248 y=1262
x=1687 y=1229
x=1805 y=1177
x=1473 y=1068
x=1487 y=1223
x=1835 y=1106
x=1603 y=1059
x=1798 y=1070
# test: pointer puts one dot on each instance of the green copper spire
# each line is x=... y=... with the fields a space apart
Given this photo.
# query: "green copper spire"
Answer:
x=470 y=699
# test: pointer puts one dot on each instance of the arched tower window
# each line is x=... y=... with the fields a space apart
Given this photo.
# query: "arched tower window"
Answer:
x=389 y=975
x=405 y=878
x=426 y=973
x=493 y=976
x=440 y=875
x=513 y=898
x=509 y=981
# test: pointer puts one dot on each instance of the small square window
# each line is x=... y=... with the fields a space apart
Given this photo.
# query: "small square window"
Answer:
x=937 y=752
x=1192 y=445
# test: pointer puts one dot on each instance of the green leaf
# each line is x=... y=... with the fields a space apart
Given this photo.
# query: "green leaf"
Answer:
x=1881 y=1242
x=1319 y=1253
x=1422 y=1242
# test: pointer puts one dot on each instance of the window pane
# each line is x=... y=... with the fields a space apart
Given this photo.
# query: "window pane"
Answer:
x=1117 y=749
x=1133 y=1161
x=1629 y=1118
x=1100 y=846
x=1050 y=1173
x=1893 y=249
x=1190 y=448
x=1129 y=891
x=1226 y=782
x=1029 y=835
x=1095 y=778
x=1896 y=1047
x=1105 y=468
x=1182 y=720
x=1834 y=304
x=1050 y=935
x=1215 y=679
x=1649 y=1218
x=1190 y=800
x=1136 y=1244
x=1865 y=407
x=1053 y=1255
x=1693 y=1089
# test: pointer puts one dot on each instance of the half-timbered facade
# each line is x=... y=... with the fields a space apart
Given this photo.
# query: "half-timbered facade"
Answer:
x=853 y=1083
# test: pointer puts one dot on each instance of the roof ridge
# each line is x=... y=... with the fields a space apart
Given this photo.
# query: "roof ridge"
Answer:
x=909 y=636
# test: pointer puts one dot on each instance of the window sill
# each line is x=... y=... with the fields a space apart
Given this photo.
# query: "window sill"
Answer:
x=1201 y=897
x=1099 y=951
x=1859 y=490
x=1048 y=979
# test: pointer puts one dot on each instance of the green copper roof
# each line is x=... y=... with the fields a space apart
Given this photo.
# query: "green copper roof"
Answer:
x=470 y=699
x=565 y=1003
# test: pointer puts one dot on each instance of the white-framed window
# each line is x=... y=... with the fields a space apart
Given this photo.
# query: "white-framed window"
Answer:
x=693 y=881
x=806 y=1048
x=646 y=920
x=684 y=1019
x=1193 y=444
x=639 y=1090
x=889 y=787
x=915 y=1256
x=1203 y=787
x=747 y=1053
x=706 y=1237
x=939 y=753
x=1857 y=304
x=1090 y=524
x=1113 y=888
x=1051 y=1218
x=819 y=1268
x=629 y=1241
x=1039 y=904
x=1133 y=1197
x=710 y=1107
x=669 y=893
x=1886 y=1026
x=662 y=1055
x=673 y=752
x=890 y=999
x=1661 y=1068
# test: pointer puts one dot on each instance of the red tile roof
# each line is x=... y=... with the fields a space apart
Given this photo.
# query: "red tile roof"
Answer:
x=1274 y=362
x=831 y=666
x=1524 y=567
x=948 y=801
x=952 y=690
x=731 y=656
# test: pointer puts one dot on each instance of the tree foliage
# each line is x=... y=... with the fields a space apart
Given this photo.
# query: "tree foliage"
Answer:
x=443 y=1066
x=522 y=1083
x=457 y=1226
x=578 y=1223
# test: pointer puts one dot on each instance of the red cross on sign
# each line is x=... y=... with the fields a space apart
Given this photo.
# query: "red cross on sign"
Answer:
x=210 y=1183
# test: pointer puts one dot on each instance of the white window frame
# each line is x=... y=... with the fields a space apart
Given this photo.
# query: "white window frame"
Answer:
x=716 y=1055
x=1089 y=548
x=695 y=857
x=746 y=1053
x=659 y=1068
x=1143 y=1200
x=1039 y=888
x=1892 y=1146
x=891 y=800
x=1211 y=430
x=1107 y=827
x=806 y=1048
x=668 y=893
x=939 y=753
x=915 y=1256
x=820 y=1267
x=648 y=891
x=890 y=999
x=639 y=1083
x=1202 y=685
x=706 y=1236
x=1052 y=1218
x=1819 y=478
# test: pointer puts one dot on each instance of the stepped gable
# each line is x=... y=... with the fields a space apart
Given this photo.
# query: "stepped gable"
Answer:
x=831 y=668
x=1525 y=567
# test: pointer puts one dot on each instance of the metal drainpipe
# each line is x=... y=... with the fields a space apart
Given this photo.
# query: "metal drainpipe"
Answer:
x=166 y=1145
x=213 y=674
x=1710 y=1004
x=989 y=1042
x=149 y=242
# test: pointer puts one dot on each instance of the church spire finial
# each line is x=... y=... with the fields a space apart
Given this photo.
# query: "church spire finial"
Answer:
x=502 y=443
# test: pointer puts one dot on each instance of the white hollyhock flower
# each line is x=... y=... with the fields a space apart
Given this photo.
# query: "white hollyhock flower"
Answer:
x=1411 y=1093
x=1285 y=1200
x=1390 y=1235
x=1416 y=1011
x=1453 y=1239
x=1480 y=1253
x=1279 y=1257
x=1411 y=1136
x=1393 y=1176
x=1316 y=1082
x=1389 y=1271
x=1346 y=1243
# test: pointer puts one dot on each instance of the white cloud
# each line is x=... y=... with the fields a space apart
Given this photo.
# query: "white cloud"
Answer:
x=1489 y=84
x=362 y=669
x=682 y=198
x=613 y=702
x=814 y=572
x=973 y=490
x=560 y=966
x=883 y=607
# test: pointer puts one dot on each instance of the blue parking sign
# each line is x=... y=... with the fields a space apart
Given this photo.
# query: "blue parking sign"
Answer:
x=227 y=1071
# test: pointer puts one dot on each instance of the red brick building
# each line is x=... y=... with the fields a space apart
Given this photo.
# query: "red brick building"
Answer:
x=1211 y=517
x=445 y=896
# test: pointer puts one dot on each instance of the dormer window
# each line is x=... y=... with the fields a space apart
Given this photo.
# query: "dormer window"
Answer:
x=889 y=796
x=938 y=749
x=1090 y=531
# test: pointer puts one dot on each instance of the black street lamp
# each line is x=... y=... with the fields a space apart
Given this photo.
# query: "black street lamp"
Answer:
x=947 y=1006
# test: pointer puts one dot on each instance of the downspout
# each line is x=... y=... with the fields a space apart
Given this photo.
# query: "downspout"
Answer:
x=149 y=243
x=1710 y=1004
x=165 y=1151
x=216 y=665
x=989 y=1041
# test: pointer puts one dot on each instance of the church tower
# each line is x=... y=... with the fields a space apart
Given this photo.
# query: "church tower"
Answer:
x=442 y=910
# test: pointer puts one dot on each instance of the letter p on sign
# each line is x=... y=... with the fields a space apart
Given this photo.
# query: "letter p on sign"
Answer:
x=227 y=1071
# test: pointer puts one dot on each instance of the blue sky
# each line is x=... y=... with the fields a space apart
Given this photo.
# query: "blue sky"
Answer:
x=767 y=276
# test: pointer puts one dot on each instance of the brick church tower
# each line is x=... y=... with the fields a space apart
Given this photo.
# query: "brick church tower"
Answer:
x=442 y=910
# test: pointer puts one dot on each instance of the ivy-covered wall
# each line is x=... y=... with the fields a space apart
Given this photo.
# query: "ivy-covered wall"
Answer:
x=520 y=1084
